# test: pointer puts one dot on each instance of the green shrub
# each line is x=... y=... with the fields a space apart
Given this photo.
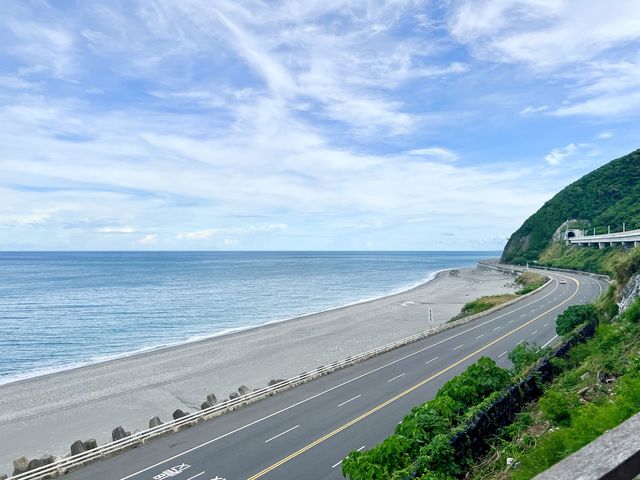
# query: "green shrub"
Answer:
x=422 y=440
x=557 y=406
x=525 y=355
x=574 y=316
x=632 y=313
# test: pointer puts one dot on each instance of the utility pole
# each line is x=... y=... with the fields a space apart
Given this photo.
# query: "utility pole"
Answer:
x=609 y=229
x=430 y=316
x=624 y=226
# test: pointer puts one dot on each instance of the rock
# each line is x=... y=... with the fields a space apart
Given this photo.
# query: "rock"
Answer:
x=20 y=465
x=40 y=462
x=582 y=391
x=275 y=381
x=205 y=405
x=243 y=390
x=90 y=444
x=179 y=414
x=78 y=447
x=119 y=433
x=510 y=461
x=3 y=476
x=155 y=422
x=211 y=398
x=233 y=395
x=630 y=292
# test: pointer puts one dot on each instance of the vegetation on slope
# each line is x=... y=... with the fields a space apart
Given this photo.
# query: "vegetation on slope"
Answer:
x=617 y=262
x=596 y=388
x=599 y=389
x=527 y=281
x=609 y=195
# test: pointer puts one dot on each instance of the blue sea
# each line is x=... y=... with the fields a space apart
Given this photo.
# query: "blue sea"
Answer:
x=62 y=310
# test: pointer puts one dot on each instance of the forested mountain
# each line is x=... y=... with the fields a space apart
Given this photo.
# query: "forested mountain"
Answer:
x=609 y=195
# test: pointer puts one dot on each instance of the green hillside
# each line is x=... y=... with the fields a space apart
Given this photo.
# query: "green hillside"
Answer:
x=609 y=195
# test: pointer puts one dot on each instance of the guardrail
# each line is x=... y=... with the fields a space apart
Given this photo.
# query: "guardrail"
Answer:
x=519 y=269
x=70 y=462
x=615 y=455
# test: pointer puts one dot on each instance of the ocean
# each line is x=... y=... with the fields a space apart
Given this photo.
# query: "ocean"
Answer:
x=63 y=310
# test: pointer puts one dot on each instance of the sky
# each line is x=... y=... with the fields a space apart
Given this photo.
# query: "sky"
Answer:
x=304 y=125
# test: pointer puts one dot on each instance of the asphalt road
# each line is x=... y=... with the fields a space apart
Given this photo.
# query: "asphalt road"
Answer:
x=305 y=432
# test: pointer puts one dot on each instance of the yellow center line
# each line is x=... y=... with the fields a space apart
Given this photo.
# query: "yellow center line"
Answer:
x=407 y=391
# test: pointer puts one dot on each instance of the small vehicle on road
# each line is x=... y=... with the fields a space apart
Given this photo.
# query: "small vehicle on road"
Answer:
x=563 y=282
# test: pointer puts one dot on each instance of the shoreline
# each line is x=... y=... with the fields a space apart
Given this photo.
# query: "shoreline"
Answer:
x=45 y=414
x=228 y=332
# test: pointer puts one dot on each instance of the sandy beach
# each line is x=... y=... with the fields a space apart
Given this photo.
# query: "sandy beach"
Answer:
x=46 y=414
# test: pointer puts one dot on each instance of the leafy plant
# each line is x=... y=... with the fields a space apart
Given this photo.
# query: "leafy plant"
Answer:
x=574 y=316
x=524 y=355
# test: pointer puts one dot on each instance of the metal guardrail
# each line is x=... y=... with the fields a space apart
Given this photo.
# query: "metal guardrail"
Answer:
x=70 y=462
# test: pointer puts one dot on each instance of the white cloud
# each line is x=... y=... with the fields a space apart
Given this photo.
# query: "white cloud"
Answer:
x=606 y=135
x=435 y=153
x=116 y=230
x=564 y=41
x=197 y=235
x=530 y=110
x=557 y=155
x=267 y=228
x=148 y=239
x=230 y=242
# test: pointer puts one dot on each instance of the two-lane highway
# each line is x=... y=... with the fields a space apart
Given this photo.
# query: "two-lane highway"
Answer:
x=304 y=433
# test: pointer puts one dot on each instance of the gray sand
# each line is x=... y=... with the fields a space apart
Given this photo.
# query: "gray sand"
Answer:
x=48 y=413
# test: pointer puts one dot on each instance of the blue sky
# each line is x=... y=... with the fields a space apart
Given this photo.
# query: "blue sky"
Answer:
x=355 y=125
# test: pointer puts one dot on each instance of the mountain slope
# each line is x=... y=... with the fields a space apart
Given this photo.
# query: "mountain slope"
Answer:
x=609 y=195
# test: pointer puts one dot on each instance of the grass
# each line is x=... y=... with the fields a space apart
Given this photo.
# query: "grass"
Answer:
x=483 y=303
x=527 y=281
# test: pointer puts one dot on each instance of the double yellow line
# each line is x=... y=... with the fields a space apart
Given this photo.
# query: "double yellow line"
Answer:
x=407 y=391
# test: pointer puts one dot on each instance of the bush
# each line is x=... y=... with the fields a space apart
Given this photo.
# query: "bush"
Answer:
x=632 y=313
x=524 y=355
x=574 y=316
x=529 y=282
x=422 y=440
x=557 y=407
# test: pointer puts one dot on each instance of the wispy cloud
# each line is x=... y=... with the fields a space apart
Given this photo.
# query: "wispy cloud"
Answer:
x=318 y=124
x=116 y=230
x=148 y=239
x=197 y=235
x=557 y=155
x=435 y=153
x=529 y=110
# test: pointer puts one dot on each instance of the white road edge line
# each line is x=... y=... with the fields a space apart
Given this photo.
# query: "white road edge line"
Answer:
x=429 y=361
x=336 y=464
x=280 y=434
x=502 y=354
x=534 y=332
x=196 y=475
x=554 y=337
x=397 y=376
x=350 y=400
x=346 y=382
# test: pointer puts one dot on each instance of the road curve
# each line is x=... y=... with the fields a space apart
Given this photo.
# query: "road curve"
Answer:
x=305 y=432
